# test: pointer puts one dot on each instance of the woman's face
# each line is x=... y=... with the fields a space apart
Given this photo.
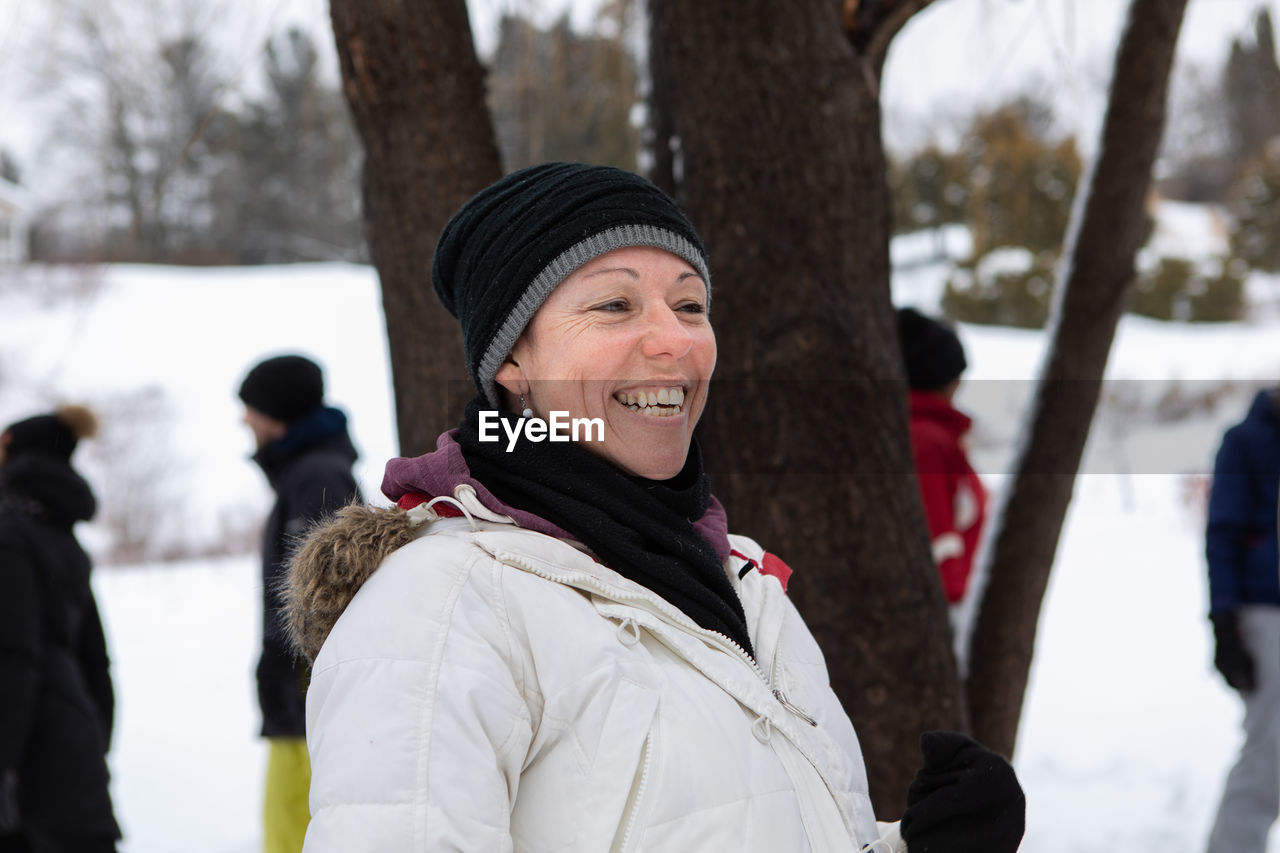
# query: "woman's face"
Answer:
x=626 y=339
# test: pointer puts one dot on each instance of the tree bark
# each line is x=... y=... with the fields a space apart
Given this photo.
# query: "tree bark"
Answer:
x=1095 y=280
x=774 y=114
x=416 y=90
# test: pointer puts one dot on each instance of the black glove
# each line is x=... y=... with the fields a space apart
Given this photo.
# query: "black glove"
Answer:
x=965 y=799
x=1230 y=656
x=9 y=802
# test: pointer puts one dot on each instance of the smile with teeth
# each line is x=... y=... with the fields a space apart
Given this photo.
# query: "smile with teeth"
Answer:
x=662 y=403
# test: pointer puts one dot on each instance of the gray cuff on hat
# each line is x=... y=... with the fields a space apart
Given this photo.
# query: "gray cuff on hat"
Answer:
x=561 y=268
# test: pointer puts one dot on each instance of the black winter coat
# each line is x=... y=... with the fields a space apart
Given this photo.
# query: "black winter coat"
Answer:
x=57 y=706
x=310 y=470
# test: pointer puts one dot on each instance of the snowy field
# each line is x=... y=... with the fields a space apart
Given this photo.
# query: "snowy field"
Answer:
x=1127 y=731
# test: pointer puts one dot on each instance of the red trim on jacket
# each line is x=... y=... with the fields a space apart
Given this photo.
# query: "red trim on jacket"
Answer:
x=773 y=565
x=444 y=509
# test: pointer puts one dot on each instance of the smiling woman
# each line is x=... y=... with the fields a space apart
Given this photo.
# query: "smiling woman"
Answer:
x=557 y=645
x=625 y=339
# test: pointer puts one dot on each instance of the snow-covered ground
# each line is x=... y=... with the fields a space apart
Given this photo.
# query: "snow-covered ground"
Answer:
x=1126 y=734
x=187 y=767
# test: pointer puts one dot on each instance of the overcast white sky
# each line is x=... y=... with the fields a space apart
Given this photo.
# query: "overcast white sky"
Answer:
x=954 y=54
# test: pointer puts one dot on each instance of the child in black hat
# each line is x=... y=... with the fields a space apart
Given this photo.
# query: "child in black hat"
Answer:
x=953 y=495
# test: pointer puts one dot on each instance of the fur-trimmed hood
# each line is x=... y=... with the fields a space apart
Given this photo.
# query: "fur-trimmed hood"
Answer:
x=342 y=552
x=335 y=560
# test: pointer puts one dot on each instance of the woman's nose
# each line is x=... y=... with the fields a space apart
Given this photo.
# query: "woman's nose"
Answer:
x=666 y=334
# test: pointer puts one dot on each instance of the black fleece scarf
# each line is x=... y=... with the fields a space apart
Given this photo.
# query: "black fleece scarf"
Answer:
x=642 y=529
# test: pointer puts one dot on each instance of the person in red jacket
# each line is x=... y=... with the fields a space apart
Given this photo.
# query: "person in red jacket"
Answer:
x=954 y=499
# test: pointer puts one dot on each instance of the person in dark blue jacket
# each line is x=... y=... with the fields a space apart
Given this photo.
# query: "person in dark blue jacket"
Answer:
x=1244 y=607
x=306 y=453
x=56 y=698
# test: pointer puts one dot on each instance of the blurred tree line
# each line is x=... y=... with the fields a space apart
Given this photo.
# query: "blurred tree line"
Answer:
x=180 y=162
x=176 y=164
x=183 y=164
x=556 y=94
x=1011 y=181
x=1227 y=148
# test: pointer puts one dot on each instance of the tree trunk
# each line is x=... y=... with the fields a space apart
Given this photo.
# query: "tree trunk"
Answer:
x=1095 y=280
x=773 y=112
x=416 y=90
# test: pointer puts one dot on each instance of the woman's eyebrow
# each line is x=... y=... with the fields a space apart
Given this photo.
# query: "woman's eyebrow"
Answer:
x=687 y=274
x=628 y=270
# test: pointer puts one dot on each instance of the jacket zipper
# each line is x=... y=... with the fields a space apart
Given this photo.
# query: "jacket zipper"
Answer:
x=590 y=583
x=676 y=616
x=639 y=800
x=782 y=699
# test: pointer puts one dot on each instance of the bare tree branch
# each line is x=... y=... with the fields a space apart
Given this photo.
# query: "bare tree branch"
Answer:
x=871 y=25
x=1094 y=284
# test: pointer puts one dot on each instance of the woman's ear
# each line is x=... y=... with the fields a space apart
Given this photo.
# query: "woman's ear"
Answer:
x=510 y=377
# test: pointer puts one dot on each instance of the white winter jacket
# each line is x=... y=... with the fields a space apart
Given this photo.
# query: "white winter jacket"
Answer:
x=490 y=688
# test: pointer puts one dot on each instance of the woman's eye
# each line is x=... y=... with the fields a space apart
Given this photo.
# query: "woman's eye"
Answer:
x=614 y=307
x=692 y=308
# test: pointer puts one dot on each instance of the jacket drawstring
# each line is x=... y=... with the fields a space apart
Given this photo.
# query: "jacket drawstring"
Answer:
x=628 y=632
x=762 y=729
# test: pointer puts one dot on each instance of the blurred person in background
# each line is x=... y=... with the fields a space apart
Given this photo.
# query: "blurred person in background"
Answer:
x=1244 y=608
x=953 y=495
x=306 y=454
x=58 y=702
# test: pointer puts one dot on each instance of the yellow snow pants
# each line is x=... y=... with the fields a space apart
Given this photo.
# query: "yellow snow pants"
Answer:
x=284 y=806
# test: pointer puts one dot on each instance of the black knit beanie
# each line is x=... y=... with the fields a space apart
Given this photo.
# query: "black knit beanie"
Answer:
x=509 y=246
x=57 y=433
x=933 y=355
x=285 y=387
